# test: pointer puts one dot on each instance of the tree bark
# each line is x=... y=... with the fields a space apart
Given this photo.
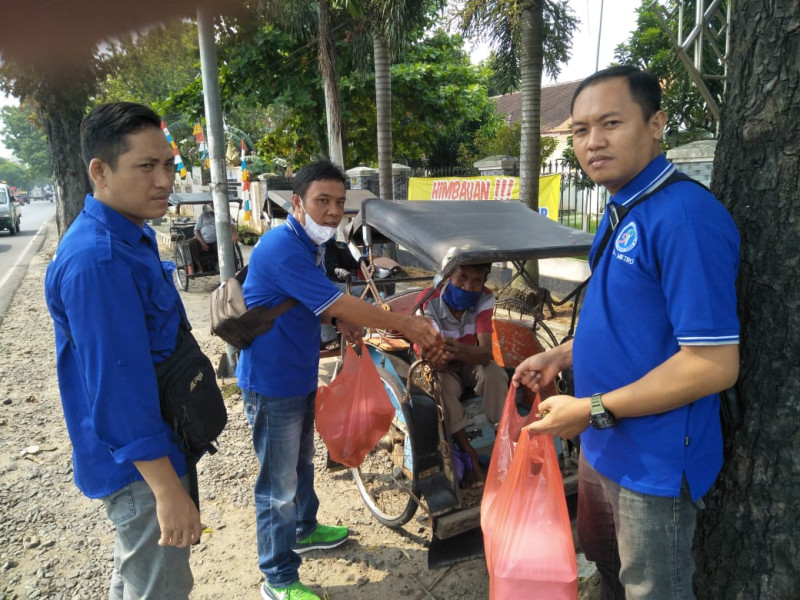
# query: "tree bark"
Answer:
x=531 y=86
x=60 y=106
x=383 y=104
x=746 y=542
x=327 y=69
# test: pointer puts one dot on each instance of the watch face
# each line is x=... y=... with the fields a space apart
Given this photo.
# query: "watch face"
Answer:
x=603 y=420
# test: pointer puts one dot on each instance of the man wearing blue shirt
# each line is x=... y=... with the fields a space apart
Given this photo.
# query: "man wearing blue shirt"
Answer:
x=657 y=340
x=278 y=373
x=116 y=315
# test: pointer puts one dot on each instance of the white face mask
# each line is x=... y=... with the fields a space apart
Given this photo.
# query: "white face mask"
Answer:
x=319 y=234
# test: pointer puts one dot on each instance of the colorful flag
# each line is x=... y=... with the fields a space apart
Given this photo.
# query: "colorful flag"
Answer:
x=245 y=183
x=178 y=160
x=202 y=146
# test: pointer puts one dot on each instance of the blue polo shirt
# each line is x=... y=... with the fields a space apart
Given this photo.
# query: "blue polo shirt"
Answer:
x=284 y=361
x=666 y=279
x=115 y=314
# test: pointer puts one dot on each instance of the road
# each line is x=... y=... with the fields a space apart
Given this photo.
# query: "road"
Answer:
x=17 y=250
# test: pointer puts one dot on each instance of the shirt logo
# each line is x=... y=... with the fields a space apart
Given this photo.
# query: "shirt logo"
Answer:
x=627 y=238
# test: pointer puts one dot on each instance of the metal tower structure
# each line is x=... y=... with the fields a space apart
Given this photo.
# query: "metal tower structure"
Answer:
x=710 y=31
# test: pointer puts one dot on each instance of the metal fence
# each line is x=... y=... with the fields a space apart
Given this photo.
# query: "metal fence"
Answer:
x=581 y=202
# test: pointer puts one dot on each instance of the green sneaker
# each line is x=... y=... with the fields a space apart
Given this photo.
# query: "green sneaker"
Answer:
x=324 y=537
x=296 y=591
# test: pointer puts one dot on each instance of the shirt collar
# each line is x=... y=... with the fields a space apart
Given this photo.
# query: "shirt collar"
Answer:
x=126 y=229
x=298 y=230
x=647 y=180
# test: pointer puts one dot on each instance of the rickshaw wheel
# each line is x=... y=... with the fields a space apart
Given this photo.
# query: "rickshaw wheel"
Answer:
x=382 y=481
x=182 y=259
x=238 y=259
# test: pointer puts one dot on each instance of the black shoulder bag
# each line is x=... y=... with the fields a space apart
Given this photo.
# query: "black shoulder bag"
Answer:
x=731 y=409
x=191 y=401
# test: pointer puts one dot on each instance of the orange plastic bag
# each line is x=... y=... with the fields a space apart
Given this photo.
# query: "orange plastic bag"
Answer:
x=354 y=411
x=524 y=517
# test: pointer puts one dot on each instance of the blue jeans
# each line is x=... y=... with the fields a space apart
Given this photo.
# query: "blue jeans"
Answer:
x=143 y=570
x=641 y=544
x=286 y=503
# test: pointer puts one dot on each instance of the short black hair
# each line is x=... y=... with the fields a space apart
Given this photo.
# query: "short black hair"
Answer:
x=105 y=130
x=644 y=87
x=320 y=170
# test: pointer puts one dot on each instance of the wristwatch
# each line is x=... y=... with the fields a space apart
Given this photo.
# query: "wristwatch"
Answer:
x=601 y=418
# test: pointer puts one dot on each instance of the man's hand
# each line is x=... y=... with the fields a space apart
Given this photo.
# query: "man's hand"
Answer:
x=351 y=333
x=564 y=416
x=539 y=370
x=439 y=355
x=421 y=332
x=178 y=518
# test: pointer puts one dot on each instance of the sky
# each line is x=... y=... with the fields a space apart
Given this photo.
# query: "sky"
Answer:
x=619 y=19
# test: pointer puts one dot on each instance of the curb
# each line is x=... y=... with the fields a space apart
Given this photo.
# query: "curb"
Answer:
x=164 y=239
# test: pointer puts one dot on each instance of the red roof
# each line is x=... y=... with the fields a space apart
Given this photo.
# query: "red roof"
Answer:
x=555 y=106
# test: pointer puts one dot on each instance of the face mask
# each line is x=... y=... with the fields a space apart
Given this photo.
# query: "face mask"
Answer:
x=319 y=234
x=460 y=299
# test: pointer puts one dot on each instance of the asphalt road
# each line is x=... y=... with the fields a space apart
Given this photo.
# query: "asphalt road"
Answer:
x=17 y=250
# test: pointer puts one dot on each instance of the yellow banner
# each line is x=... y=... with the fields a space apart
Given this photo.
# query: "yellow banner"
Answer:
x=489 y=187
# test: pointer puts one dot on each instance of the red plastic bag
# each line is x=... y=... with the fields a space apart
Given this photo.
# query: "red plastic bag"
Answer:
x=526 y=528
x=354 y=411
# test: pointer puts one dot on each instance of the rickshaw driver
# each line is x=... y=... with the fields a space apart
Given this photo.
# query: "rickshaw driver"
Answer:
x=204 y=241
x=462 y=311
x=278 y=373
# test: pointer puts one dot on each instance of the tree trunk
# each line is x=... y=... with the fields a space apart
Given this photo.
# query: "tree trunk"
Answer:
x=327 y=70
x=531 y=85
x=383 y=104
x=746 y=543
x=60 y=105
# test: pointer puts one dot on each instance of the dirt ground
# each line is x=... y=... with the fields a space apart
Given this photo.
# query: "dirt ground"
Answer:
x=56 y=544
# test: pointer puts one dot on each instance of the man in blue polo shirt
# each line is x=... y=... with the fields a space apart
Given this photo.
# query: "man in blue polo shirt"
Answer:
x=116 y=314
x=278 y=373
x=657 y=340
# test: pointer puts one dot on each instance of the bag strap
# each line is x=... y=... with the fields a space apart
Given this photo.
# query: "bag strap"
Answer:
x=261 y=316
x=616 y=213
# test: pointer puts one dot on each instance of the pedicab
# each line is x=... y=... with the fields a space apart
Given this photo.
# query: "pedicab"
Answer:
x=182 y=230
x=412 y=467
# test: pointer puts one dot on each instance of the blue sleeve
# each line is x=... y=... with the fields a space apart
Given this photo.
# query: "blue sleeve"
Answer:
x=699 y=261
x=110 y=338
x=310 y=286
x=279 y=270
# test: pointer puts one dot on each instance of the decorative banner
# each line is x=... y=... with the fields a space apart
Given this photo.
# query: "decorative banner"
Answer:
x=178 y=160
x=489 y=187
x=202 y=146
x=245 y=183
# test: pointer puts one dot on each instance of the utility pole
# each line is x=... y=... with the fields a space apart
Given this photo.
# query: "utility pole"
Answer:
x=599 y=35
x=216 y=153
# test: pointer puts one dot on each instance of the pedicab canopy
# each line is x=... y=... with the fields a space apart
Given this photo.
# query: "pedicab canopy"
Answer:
x=197 y=198
x=446 y=234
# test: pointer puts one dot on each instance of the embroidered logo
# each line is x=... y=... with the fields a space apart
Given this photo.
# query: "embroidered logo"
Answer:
x=627 y=238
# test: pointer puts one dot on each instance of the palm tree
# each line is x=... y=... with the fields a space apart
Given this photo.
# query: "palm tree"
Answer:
x=393 y=25
x=528 y=37
x=303 y=21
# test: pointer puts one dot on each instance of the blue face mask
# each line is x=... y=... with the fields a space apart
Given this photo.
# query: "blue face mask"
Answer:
x=460 y=299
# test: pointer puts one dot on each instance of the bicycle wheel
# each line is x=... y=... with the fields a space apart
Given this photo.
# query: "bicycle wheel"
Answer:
x=238 y=259
x=384 y=478
x=183 y=260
